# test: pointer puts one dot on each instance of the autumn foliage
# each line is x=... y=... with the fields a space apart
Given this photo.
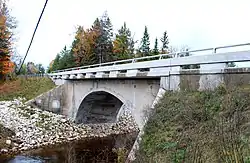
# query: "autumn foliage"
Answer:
x=6 y=65
x=100 y=44
x=83 y=48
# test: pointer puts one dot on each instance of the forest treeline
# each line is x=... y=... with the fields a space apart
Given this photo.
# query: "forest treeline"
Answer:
x=100 y=44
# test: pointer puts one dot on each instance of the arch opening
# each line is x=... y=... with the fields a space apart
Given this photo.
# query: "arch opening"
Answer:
x=98 y=107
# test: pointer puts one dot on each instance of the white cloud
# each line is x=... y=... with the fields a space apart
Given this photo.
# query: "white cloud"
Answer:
x=196 y=23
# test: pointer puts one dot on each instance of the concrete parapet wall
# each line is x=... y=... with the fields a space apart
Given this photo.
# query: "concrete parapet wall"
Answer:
x=202 y=80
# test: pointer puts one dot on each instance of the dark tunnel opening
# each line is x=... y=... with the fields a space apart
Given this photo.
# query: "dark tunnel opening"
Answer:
x=98 y=107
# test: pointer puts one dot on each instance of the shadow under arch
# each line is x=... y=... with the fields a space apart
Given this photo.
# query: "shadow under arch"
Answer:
x=99 y=107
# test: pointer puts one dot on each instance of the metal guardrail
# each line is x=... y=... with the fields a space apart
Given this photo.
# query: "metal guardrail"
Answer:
x=155 y=57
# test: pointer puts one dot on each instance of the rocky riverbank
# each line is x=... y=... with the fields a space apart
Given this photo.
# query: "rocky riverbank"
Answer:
x=35 y=128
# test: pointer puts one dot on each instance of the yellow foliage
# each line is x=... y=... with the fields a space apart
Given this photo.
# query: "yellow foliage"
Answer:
x=84 y=48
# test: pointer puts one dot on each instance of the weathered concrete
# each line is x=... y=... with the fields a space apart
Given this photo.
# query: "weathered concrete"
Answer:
x=45 y=101
x=135 y=94
x=100 y=100
x=92 y=101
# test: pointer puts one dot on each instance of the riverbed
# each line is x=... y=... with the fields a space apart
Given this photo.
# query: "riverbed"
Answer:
x=104 y=150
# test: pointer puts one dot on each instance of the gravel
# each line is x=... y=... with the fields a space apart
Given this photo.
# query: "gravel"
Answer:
x=36 y=128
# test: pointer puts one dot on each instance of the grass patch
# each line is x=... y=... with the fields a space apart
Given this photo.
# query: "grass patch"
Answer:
x=208 y=126
x=25 y=88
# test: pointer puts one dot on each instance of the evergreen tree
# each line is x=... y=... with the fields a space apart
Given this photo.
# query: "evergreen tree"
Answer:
x=165 y=43
x=40 y=68
x=5 y=48
x=55 y=65
x=123 y=43
x=66 y=59
x=156 y=50
x=104 y=46
x=145 y=50
x=7 y=23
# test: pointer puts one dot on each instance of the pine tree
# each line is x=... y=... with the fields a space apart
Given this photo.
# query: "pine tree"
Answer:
x=55 y=64
x=103 y=45
x=66 y=59
x=123 y=43
x=156 y=50
x=145 y=50
x=6 y=66
x=165 y=43
x=7 y=24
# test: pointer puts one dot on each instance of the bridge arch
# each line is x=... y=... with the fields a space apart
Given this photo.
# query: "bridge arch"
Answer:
x=99 y=106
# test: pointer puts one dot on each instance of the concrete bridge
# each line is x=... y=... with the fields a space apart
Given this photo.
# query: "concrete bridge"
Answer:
x=100 y=93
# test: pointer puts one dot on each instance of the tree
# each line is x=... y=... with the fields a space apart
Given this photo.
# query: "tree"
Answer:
x=23 y=70
x=156 y=50
x=145 y=43
x=123 y=43
x=6 y=38
x=66 y=59
x=165 y=43
x=103 y=42
x=6 y=66
x=83 y=46
x=31 y=68
x=40 y=68
x=55 y=63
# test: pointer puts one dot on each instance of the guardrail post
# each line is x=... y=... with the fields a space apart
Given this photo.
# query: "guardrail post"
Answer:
x=214 y=50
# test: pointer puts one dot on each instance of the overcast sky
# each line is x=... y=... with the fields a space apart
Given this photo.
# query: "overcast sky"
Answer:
x=196 y=23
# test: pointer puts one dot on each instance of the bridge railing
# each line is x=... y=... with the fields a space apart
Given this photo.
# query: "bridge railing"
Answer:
x=33 y=75
x=154 y=57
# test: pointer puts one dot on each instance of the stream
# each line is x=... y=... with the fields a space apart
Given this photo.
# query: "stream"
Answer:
x=88 y=151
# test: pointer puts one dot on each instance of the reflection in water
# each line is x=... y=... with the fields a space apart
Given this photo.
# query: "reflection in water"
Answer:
x=91 y=151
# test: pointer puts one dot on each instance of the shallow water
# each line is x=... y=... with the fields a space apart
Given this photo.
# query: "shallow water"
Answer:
x=91 y=151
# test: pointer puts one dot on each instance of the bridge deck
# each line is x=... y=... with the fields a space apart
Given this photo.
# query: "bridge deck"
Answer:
x=139 y=68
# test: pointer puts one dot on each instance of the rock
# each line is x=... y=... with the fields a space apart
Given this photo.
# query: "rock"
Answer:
x=4 y=150
x=63 y=120
x=36 y=128
x=8 y=142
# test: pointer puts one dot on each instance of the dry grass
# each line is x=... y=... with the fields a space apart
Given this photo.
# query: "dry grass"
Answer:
x=197 y=127
x=24 y=87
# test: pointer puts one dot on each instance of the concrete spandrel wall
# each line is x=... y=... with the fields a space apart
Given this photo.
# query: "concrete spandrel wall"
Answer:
x=137 y=94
